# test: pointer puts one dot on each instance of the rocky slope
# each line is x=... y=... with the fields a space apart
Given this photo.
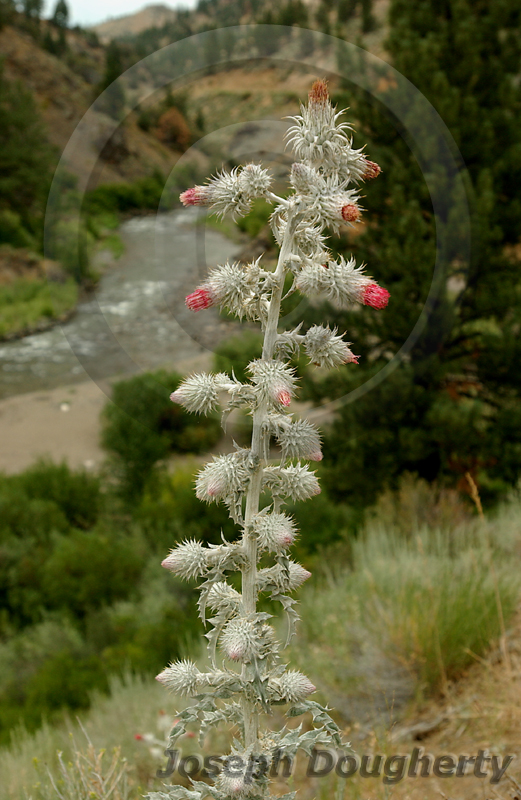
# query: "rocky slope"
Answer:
x=64 y=88
x=152 y=16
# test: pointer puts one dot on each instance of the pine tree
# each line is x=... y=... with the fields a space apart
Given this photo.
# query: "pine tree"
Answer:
x=60 y=17
x=7 y=11
x=25 y=156
x=455 y=406
x=113 y=102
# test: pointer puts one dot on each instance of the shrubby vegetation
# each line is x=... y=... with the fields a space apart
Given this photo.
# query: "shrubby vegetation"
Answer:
x=401 y=619
x=81 y=594
x=141 y=427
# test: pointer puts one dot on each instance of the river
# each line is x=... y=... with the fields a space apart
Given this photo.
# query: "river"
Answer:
x=136 y=319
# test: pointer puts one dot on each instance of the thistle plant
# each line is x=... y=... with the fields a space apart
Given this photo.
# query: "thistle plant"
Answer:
x=247 y=675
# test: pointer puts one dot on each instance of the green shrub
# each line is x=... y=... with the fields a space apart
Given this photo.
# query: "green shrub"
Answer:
x=26 y=518
x=141 y=426
x=144 y=193
x=257 y=219
x=235 y=353
x=88 y=569
x=24 y=303
x=12 y=231
x=76 y=493
x=170 y=512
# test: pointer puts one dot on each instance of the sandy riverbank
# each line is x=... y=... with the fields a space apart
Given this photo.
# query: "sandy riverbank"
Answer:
x=61 y=423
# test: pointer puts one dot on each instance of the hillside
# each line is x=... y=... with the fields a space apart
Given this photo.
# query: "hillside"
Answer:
x=152 y=16
x=64 y=88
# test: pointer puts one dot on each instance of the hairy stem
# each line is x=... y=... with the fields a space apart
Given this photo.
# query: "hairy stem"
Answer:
x=258 y=447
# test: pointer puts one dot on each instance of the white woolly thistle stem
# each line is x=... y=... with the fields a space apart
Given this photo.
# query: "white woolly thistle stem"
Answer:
x=321 y=198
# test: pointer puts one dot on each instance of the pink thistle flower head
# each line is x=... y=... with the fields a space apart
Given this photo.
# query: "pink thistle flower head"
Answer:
x=375 y=296
x=350 y=213
x=315 y=455
x=200 y=299
x=372 y=170
x=197 y=196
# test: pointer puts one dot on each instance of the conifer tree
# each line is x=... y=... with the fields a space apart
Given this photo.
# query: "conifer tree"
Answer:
x=455 y=406
x=26 y=157
x=60 y=17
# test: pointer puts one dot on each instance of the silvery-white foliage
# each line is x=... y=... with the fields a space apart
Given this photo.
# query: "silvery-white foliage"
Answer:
x=251 y=676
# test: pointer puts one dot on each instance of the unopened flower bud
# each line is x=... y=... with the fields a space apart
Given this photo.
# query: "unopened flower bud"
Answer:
x=197 y=196
x=221 y=478
x=274 y=380
x=326 y=349
x=197 y=394
x=254 y=180
x=275 y=532
x=372 y=170
x=300 y=439
x=285 y=580
x=180 y=677
x=295 y=686
x=240 y=640
x=296 y=482
x=188 y=560
x=375 y=296
x=202 y=298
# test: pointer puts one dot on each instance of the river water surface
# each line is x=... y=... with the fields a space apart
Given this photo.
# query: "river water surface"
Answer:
x=136 y=320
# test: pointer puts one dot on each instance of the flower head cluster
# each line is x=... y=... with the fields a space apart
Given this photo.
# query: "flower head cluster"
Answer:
x=230 y=191
x=342 y=282
x=237 y=286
